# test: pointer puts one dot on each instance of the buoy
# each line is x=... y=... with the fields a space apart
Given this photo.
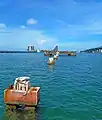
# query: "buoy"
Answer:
x=21 y=93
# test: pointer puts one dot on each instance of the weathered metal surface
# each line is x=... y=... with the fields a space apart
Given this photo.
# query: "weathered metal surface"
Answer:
x=30 y=98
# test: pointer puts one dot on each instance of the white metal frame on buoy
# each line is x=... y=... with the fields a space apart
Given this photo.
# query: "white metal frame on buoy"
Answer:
x=22 y=84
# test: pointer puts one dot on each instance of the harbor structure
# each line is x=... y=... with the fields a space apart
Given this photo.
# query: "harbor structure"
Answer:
x=50 y=52
x=57 y=52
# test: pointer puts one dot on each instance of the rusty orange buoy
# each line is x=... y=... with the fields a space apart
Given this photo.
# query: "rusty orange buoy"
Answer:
x=22 y=93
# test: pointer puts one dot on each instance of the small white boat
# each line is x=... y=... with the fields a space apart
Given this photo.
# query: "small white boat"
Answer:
x=51 y=61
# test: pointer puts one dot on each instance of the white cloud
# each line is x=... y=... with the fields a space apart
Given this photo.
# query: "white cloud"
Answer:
x=22 y=26
x=77 y=31
x=2 y=26
x=42 y=41
x=21 y=38
x=61 y=21
x=31 y=21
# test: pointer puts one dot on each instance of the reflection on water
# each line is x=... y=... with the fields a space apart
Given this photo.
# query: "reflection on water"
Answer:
x=51 y=67
x=11 y=114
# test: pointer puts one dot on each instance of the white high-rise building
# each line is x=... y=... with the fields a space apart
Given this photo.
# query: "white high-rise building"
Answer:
x=30 y=48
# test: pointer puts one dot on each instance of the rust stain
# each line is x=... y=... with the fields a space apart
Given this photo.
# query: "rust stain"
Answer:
x=30 y=98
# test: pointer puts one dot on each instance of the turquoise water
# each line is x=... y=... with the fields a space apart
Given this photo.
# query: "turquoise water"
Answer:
x=70 y=90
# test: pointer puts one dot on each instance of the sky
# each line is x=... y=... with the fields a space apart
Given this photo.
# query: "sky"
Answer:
x=70 y=24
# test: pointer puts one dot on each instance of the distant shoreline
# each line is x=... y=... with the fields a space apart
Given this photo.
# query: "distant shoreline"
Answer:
x=11 y=51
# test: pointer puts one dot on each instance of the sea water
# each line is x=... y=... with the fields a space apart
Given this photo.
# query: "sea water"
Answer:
x=70 y=90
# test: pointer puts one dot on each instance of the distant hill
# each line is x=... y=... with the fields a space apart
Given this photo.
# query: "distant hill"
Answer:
x=93 y=50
